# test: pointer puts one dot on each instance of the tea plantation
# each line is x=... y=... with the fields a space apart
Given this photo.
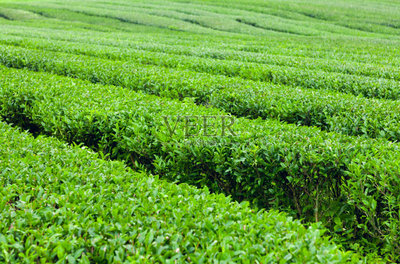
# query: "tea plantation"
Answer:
x=202 y=131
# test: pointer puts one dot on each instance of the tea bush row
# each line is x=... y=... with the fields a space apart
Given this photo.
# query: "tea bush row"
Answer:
x=349 y=184
x=328 y=110
x=64 y=204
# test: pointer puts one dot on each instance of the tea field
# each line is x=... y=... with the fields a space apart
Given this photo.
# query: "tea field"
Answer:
x=202 y=131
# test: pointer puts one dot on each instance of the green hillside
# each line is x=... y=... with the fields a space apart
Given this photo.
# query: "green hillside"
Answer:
x=199 y=131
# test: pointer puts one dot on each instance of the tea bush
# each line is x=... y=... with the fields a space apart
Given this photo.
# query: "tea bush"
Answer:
x=65 y=204
x=313 y=175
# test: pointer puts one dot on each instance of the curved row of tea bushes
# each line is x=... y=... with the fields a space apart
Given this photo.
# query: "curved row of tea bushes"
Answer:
x=307 y=77
x=380 y=53
x=64 y=204
x=332 y=47
x=349 y=184
x=200 y=60
x=347 y=114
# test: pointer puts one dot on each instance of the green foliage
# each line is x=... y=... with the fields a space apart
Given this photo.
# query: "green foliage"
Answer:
x=63 y=204
x=352 y=84
x=330 y=111
x=319 y=65
x=310 y=174
x=204 y=59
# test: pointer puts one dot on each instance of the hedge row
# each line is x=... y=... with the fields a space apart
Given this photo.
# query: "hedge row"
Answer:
x=330 y=111
x=348 y=50
x=286 y=74
x=64 y=204
x=349 y=184
x=200 y=60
